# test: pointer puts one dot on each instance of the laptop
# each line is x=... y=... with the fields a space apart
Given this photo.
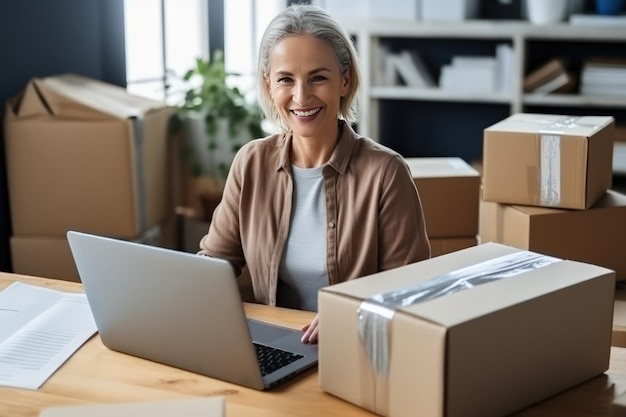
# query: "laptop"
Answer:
x=182 y=310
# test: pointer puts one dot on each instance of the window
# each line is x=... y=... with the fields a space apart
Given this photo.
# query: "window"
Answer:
x=244 y=23
x=164 y=38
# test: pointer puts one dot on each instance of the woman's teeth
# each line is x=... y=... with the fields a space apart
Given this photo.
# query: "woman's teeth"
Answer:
x=306 y=113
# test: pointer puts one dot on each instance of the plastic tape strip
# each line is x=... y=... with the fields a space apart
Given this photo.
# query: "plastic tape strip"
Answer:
x=550 y=167
x=376 y=313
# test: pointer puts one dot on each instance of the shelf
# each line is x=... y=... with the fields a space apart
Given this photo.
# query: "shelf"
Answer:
x=385 y=110
x=483 y=29
x=574 y=100
x=435 y=94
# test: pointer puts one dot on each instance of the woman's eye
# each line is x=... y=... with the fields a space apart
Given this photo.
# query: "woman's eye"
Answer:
x=318 y=78
x=284 y=80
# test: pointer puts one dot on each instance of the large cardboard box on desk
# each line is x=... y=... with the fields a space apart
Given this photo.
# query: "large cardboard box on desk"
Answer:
x=449 y=189
x=548 y=160
x=82 y=154
x=512 y=328
x=596 y=235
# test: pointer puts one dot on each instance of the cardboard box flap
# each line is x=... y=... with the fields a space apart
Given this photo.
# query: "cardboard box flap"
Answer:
x=37 y=100
x=435 y=167
x=27 y=104
x=106 y=98
x=584 y=126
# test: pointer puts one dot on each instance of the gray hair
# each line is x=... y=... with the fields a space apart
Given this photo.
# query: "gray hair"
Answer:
x=301 y=19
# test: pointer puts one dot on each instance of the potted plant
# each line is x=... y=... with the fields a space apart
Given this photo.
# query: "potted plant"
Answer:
x=216 y=120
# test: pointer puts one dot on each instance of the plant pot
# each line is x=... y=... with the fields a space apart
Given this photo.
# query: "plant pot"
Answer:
x=544 y=12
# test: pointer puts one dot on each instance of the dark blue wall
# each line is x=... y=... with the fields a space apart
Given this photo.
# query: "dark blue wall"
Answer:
x=39 y=38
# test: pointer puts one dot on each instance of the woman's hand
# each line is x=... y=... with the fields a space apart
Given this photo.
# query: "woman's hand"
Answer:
x=311 y=331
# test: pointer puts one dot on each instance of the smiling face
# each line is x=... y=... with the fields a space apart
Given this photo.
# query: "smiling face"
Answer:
x=306 y=86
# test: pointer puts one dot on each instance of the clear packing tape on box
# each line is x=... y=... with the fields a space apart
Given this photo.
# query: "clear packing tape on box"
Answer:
x=549 y=148
x=375 y=314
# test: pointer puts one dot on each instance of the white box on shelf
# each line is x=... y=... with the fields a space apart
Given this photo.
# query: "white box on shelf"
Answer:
x=450 y=10
x=372 y=9
x=394 y=9
x=468 y=79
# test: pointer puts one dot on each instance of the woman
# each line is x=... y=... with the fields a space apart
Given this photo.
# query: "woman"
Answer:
x=316 y=204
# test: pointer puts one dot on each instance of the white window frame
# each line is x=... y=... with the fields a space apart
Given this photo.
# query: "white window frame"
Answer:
x=156 y=30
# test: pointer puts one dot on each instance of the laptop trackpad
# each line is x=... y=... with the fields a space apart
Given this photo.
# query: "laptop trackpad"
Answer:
x=264 y=333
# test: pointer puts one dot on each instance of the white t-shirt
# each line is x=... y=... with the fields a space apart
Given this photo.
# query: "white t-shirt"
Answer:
x=303 y=267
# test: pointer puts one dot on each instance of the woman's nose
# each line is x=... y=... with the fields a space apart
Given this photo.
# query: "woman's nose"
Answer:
x=301 y=92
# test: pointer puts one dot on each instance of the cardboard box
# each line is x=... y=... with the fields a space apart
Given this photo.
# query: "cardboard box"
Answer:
x=484 y=351
x=441 y=246
x=548 y=160
x=82 y=154
x=50 y=256
x=593 y=236
x=450 y=192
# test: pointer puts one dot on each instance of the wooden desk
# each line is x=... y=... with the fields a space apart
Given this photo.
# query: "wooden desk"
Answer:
x=95 y=374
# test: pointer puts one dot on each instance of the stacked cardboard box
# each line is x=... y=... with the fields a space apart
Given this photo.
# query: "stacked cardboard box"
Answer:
x=449 y=189
x=548 y=160
x=82 y=155
x=546 y=188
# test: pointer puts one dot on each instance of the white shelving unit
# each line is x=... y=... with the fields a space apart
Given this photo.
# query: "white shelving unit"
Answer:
x=370 y=35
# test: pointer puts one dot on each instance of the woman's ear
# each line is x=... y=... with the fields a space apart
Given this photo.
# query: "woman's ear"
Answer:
x=345 y=83
x=268 y=85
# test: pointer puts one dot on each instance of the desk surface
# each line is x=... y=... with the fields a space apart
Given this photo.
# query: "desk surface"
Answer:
x=95 y=374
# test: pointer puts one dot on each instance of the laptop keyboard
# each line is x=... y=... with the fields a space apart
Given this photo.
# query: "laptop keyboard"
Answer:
x=271 y=359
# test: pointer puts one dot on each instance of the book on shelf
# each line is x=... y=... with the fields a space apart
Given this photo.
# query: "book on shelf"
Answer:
x=404 y=68
x=604 y=76
x=504 y=67
x=551 y=77
x=413 y=70
x=468 y=79
x=603 y=90
x=606 y=65
x=598 y=20
x=465 y=73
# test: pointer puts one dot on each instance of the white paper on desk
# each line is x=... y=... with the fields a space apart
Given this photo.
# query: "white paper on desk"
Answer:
x=40 y=329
